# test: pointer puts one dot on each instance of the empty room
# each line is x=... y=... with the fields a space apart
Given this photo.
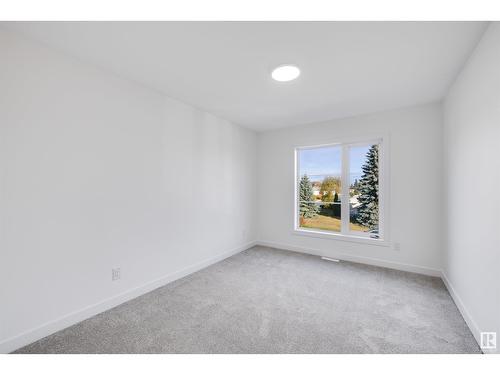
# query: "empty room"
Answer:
x=256 y=187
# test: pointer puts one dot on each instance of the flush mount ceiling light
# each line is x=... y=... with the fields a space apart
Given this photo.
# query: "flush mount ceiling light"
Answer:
x=285 y=73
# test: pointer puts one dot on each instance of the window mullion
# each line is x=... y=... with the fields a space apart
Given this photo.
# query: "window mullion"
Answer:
x=344 y=207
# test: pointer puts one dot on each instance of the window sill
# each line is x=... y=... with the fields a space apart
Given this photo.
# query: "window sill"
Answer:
x=341 y=237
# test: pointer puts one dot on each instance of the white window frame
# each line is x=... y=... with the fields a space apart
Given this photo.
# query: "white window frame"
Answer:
x=346 y=234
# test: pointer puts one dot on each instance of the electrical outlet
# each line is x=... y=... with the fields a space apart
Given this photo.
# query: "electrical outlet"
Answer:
x=244 y=234
x=116 y=274
x=396 y=246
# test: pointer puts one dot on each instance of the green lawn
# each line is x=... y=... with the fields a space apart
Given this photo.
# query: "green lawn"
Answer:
x=330 y=223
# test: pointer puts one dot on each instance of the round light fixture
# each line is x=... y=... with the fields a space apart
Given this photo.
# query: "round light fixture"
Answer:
x=285 y=73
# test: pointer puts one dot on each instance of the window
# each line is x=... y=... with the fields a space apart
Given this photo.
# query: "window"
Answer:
x=339 y=189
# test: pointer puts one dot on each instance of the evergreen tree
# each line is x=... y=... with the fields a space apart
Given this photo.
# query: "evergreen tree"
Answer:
x=336 y=210
x=353 y=189
x=307 y=207
x=368 y=190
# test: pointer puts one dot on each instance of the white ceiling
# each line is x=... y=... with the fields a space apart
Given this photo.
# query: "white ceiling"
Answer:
x=348 y=68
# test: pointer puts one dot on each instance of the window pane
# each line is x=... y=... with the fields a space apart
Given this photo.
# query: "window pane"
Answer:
x=319 y=188
x=364 y=188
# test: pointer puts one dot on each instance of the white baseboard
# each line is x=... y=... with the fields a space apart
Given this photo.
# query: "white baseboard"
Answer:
x=65 y=321
x=474 y=328
x=357 y=259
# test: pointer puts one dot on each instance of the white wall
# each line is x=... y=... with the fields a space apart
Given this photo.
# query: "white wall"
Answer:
x=415 y=137
x=472 y=146
x=98 y=172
